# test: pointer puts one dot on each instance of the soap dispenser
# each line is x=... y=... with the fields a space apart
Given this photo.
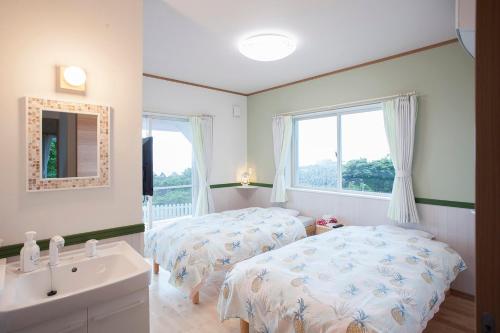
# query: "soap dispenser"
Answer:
x=30 y=253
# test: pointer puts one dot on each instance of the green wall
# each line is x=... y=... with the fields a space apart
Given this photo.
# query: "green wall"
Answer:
x=443 y=78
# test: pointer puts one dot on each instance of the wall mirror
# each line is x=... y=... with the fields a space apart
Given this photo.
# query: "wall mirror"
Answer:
x=67 y=145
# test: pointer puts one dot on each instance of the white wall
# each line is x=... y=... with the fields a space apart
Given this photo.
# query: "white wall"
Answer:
x=230 y=198
x=105 y=38
x=230 y=134
x=455 y=226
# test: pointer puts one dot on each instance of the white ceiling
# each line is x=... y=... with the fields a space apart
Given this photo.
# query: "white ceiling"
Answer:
x=197 y=40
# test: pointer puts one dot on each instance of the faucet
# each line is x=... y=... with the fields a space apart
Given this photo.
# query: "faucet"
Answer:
x=56 y=244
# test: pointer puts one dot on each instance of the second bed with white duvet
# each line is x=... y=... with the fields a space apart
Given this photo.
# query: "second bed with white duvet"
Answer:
x=353 y=279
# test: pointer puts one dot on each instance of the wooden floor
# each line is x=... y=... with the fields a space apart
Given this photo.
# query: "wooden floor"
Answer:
x=456 y=315
x=172 y=312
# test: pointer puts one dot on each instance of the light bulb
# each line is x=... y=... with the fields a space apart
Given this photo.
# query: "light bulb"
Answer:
x=74 y=76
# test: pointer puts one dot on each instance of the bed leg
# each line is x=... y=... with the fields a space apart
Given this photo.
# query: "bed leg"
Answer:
x=196 y=298
x=244 y=326
x=156 y=267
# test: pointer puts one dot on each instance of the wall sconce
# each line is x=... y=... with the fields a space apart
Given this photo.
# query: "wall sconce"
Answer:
x=71 y=79
x=245 y=177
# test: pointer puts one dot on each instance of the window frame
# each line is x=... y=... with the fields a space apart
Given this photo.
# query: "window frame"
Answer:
x=335 y=112
x=149 y=117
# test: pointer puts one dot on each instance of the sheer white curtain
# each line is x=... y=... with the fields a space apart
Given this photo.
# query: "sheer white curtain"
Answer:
x=400 y=116
x=202 y=128
x=282 y=138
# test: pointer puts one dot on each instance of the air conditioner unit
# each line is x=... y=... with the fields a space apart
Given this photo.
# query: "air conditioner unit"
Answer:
x=465 y=24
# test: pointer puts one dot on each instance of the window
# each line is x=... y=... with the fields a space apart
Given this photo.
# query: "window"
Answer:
x=317 y=152
x=172 y=168
x=342 y=150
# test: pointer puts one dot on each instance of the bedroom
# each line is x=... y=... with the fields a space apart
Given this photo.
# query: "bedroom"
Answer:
x=357 y=119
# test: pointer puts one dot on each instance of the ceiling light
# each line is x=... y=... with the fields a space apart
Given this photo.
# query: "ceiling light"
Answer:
x=267 y=47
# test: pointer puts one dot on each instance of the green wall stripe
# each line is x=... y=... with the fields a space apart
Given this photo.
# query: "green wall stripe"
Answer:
x=425 y=201
x=447 y=203
x=239 y=184
x=224 y=185
x=14 y=249
x=262 y=185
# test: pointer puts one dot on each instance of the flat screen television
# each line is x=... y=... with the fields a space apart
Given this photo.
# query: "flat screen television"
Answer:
x=147 y=166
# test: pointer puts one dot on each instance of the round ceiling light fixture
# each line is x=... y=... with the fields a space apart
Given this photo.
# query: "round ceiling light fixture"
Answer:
x=267 y=47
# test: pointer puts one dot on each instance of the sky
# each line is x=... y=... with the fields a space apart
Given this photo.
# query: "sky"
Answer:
x=363 y=136
x=172 y=152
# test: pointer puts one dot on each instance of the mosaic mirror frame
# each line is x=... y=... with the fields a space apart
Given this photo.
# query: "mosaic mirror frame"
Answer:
x=34 y=181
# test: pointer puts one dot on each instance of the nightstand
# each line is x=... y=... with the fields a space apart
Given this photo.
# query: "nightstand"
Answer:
x=324 y=228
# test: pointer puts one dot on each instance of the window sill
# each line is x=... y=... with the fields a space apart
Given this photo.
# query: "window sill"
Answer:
x=385 y=197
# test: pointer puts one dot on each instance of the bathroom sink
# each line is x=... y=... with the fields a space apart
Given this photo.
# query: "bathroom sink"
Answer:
x=79 y=282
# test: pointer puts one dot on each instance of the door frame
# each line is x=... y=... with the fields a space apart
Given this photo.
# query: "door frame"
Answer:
x=487 y=163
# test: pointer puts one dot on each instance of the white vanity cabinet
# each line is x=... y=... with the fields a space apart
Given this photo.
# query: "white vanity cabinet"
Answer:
x=73 y=323
x=108 y=292
x=129 y=313
x=125 y=314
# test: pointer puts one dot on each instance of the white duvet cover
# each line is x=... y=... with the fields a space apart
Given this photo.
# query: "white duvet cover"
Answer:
x=352 y=279
x=192 y=248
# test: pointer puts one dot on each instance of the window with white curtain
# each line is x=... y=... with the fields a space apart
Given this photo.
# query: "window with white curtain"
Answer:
x=172 y=168
x=342 y=150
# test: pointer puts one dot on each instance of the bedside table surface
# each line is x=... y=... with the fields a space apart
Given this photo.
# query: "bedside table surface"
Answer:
x=324 y=228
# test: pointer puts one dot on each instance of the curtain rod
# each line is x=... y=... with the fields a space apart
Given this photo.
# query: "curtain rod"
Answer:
x=343 y=105
x=174 y=115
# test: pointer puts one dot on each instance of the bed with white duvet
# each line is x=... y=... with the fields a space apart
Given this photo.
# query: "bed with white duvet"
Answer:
x=353 y=279
x=192 y=248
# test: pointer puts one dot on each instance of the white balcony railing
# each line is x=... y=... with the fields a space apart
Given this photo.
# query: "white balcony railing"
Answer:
x=153 y=212
x=162 y=212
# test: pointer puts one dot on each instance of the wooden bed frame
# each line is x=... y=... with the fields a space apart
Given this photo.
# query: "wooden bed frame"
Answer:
x=244 y=326
x=156 y=270
x=156 y=267
x=311 y=230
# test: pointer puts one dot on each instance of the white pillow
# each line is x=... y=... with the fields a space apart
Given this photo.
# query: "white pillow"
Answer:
x=286 y=211
x=413 y=232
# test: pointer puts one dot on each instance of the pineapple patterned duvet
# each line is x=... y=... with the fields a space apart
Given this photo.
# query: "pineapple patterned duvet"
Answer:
x=353 y=280
x=192 y=248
